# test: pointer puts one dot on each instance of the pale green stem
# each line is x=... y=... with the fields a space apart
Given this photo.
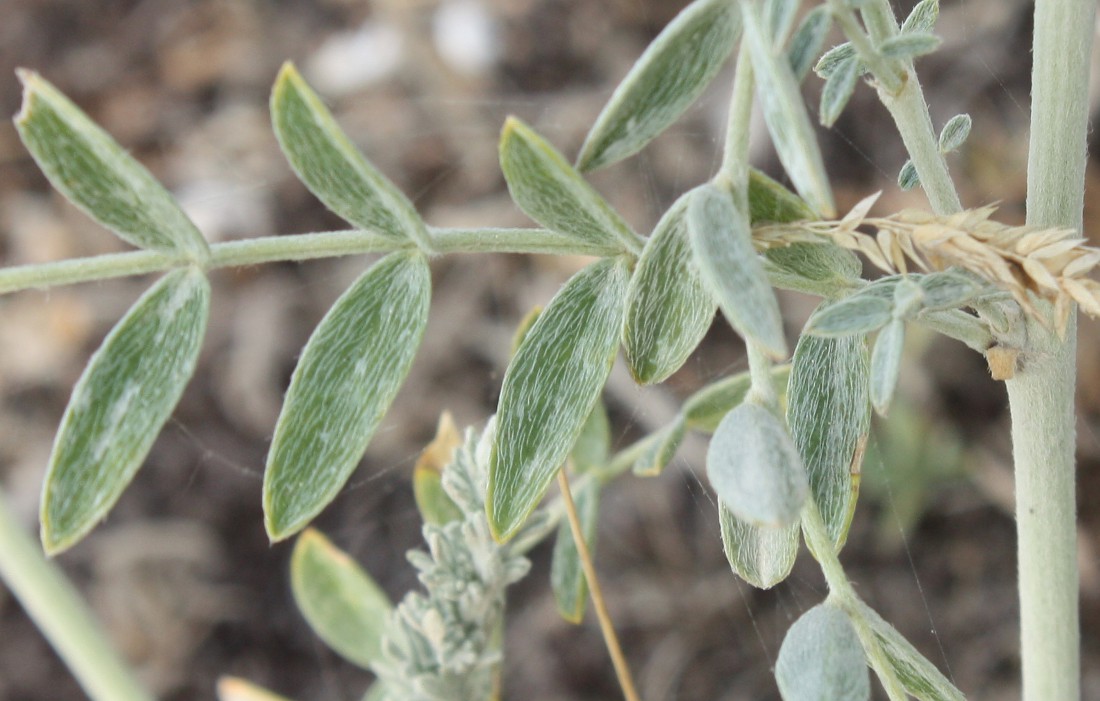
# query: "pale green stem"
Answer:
x=885 y=72
x=844 y=596
x=760 y=370
x=1041 y=395
x=56 y=608
x=900 y=91
x=878 y=15
x=910 y=113
x=296 y=247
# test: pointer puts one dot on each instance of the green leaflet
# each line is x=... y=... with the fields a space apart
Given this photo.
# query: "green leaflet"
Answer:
x=920 y=677
x=552 y=193
x=704 y=410
x=908 y=178
x=754 y=467
x=909 y=45
x=829 y=414
x=785 y=115
x=668 y=308
x=332 y=168
x=549 y=390
x=763 y=557
x=341 y=603
x=566 y=574
x=722 y=243
x=93 y=172
x=855 y=314
x=954 y=133
x=807 y=41
x=236 y=689
x=838 y=89
x=922 y=18
x=127 y=392
x=769 y=201
x=669 y=76
x=593 y=446
x=661 y=447
x=821 y=659
x=347 y=375
x=886 y=364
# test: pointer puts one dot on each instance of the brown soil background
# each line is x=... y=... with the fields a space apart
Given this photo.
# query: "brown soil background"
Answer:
x=181 y=572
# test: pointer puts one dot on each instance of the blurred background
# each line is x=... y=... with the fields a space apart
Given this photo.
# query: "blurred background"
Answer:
x=181 y=573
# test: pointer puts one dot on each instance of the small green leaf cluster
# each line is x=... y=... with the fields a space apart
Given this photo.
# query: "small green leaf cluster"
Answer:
x=444 y=643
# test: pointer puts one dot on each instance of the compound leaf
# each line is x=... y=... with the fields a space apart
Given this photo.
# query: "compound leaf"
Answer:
x=550 y=388
x=821 y=659
x=127 y=392
x=93 y=172
x=731 y=270
x=668 y=308
x=348 y=373
x=552 y=193
x=761 y=556
x=669 y=76
x=341 y=603
x=332 y=168
x=829 y=415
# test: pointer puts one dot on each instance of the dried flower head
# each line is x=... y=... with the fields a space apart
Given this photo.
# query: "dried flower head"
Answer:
x=1029 y=263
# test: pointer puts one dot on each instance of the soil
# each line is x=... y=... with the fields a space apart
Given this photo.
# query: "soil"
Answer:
x=181 y=573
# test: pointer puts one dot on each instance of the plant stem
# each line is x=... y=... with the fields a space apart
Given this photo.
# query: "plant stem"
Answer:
x=844 y=596
x=1041 y=396
x=296 y=247
x=56 y=608
x=900 y=91
x=622 y=669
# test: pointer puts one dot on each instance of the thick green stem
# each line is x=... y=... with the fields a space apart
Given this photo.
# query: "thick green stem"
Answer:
x=910 y=113
x=61 y=615
x=1041 y=396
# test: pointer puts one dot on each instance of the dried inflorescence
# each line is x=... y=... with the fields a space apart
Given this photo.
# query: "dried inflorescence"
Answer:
x=1028 y=262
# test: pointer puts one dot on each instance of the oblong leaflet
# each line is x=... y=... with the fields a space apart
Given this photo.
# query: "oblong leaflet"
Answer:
x=348 y=373
x=128 y=390
x=550 y=388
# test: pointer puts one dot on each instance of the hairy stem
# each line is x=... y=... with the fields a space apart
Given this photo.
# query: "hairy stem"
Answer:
x=1041 y=395
x=56 y=608
x=295 y=247
x=901 y=93
x=844 y=596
